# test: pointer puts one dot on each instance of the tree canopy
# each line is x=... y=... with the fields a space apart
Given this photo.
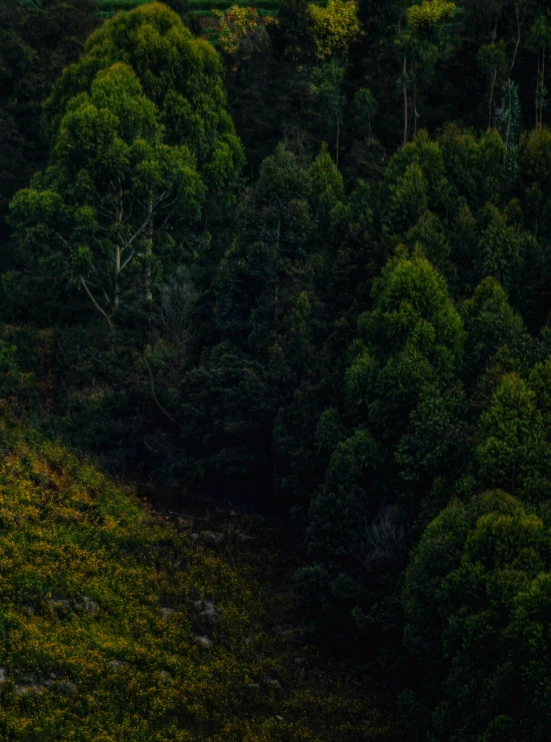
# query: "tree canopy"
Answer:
x=297 y=258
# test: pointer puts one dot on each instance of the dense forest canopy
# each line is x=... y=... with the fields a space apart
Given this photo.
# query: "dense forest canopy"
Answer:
x=305 y=266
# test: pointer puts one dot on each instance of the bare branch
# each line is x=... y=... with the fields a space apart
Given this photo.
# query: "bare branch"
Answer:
x=60 y=238
x=128 y=259
x=97 y=306
x=158 y=405
x=137 y=233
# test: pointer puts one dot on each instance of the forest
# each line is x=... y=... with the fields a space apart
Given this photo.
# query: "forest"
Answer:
x=291 y=261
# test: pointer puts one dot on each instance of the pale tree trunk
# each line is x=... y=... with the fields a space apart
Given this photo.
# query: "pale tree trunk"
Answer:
x=120 y=214
x=338 y=141
x=95 y=303
x=415 y=111
x=154 y=397
x=492 y=97
x=494 y=79
x=117 y=272
x=405 y=94
x=540 y=90
x=538 y=84
x=149 y=252
x=517 y=44
x=278 y=237
x=509 y=107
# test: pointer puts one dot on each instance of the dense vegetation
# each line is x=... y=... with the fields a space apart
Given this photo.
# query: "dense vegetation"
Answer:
x=308 y=269
x=117 y=625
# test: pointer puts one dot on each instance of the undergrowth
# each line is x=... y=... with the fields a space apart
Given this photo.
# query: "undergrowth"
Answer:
x=88 y=650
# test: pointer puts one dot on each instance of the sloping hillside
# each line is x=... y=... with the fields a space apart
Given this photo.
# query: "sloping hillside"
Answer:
x=116 y=625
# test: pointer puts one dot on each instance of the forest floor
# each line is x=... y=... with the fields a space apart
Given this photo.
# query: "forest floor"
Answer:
x=124 y=621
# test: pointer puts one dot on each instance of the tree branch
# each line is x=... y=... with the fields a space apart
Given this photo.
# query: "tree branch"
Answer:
x=128 y=259
x=97 y=306
x=158 y=405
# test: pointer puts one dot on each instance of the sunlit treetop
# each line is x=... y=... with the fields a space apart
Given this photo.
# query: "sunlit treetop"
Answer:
x=335 y=27
x=430 y=13
x=178 y=72
x=237 y=23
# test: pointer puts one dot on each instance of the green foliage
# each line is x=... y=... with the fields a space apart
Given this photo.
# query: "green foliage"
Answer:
x=178 y=73
x=415 y=176
x=466 y=595
x=335 y=27
x=365 y=107
x=235 y=25
x=475 y=168
x=512 y=452
x=407 y=427
x=430 y=13
x=438 y=438
x=330 y=430
x=327 y=82
x=408 y=199
x=89 y=649
x=534 y=156
x=110 y=179
x=414 y=338
x=428 y=234
x=501 y=248
x=325 y=192
x=492 y=57
x=15 y=384
x=36 y=43
x=227 y=410
x=492 y=325
x=335 y=518
x=356 y=337
x=412 y=309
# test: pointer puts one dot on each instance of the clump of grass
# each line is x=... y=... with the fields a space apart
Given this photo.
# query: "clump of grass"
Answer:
x=87 y=653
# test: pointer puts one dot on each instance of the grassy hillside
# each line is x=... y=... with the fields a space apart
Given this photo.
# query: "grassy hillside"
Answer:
x=103 y=635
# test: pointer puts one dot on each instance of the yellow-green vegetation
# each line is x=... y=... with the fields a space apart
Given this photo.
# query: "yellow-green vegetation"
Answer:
x=235 y=24
x=98 y=639
x=336 y=25
x=431 y=13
